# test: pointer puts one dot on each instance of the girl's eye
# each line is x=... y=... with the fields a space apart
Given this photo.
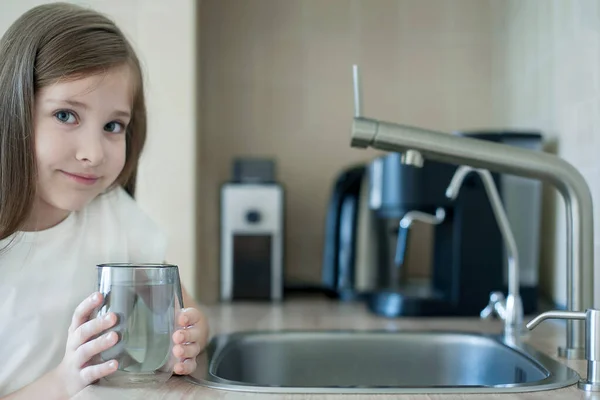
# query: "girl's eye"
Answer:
x=114 y=127
x=66 y=117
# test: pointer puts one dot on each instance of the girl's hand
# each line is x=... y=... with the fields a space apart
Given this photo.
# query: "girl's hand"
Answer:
x=75 y=371
x=190 y=340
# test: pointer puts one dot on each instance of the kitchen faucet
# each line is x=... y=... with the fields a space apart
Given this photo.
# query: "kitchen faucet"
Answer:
x=510 y=310
x=418 y=145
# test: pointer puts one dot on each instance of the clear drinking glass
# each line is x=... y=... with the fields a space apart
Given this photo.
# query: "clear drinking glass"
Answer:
x=147 y=300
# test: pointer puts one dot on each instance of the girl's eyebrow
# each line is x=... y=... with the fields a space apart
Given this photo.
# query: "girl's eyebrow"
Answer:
x=122 y=113
x=75 y=103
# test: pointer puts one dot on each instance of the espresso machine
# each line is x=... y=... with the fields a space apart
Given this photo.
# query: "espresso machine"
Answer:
x=367 y=246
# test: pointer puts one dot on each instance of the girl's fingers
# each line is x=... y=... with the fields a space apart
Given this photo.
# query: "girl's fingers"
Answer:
x=94 y=372
x=84 y=310
x=186 y=367
x=187 y=350
x=88 y=350
x=92 y=328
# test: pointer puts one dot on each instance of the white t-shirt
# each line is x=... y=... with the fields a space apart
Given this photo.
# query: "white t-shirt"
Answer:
x=45 y=275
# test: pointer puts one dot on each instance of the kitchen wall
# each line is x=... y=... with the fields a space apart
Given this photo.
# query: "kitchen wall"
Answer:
x=276 y=81
x=164 y=34
x=546 y=76
x=273 y=78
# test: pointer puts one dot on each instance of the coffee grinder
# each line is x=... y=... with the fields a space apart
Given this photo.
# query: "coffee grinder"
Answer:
x=252 y=233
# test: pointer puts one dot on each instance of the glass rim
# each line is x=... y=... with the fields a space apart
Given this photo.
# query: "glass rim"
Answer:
x=136 y=265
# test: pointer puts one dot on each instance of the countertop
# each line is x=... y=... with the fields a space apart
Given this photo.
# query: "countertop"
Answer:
x=320 y=314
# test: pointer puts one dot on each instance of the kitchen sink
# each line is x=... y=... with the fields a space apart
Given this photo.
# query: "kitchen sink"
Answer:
x=375 y=362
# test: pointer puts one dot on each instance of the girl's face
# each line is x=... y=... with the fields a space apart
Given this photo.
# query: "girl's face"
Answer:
x=79 y=141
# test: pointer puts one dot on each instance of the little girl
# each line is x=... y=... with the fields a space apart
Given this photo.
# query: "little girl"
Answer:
x=72 y=127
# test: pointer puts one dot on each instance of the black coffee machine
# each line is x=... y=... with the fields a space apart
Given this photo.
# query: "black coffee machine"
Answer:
x=468 y=260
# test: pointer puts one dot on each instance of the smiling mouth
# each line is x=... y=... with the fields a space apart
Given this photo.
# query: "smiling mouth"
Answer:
x=85 y=179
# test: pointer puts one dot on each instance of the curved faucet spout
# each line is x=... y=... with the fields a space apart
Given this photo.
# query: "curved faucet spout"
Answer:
x=499 y=213
x=511 y=309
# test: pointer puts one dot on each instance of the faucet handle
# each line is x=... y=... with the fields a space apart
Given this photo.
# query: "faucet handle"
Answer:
x=356 y=87
x=494 y=307
x=592 y=342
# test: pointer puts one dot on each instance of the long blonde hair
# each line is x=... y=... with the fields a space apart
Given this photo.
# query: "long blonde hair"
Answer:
x=49 y=43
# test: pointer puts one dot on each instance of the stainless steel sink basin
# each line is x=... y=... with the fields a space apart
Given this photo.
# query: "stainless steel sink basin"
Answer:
x=375 y=362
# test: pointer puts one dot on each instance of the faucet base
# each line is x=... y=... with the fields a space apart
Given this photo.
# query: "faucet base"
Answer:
x=577 y=353
x=587 y=386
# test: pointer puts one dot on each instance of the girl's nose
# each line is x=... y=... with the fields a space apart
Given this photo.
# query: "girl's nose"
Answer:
x=90 y=149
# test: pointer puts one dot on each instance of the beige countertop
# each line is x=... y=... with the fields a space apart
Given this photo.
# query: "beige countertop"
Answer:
x=309 y=313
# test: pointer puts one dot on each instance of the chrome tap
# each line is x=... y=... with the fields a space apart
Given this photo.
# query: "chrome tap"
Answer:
x=592 y=342
x=444 y=147
x=510 y=310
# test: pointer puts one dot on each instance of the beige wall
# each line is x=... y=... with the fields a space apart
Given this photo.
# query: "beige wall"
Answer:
x=276 y=81
x=546 y=75
x=164 y=35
